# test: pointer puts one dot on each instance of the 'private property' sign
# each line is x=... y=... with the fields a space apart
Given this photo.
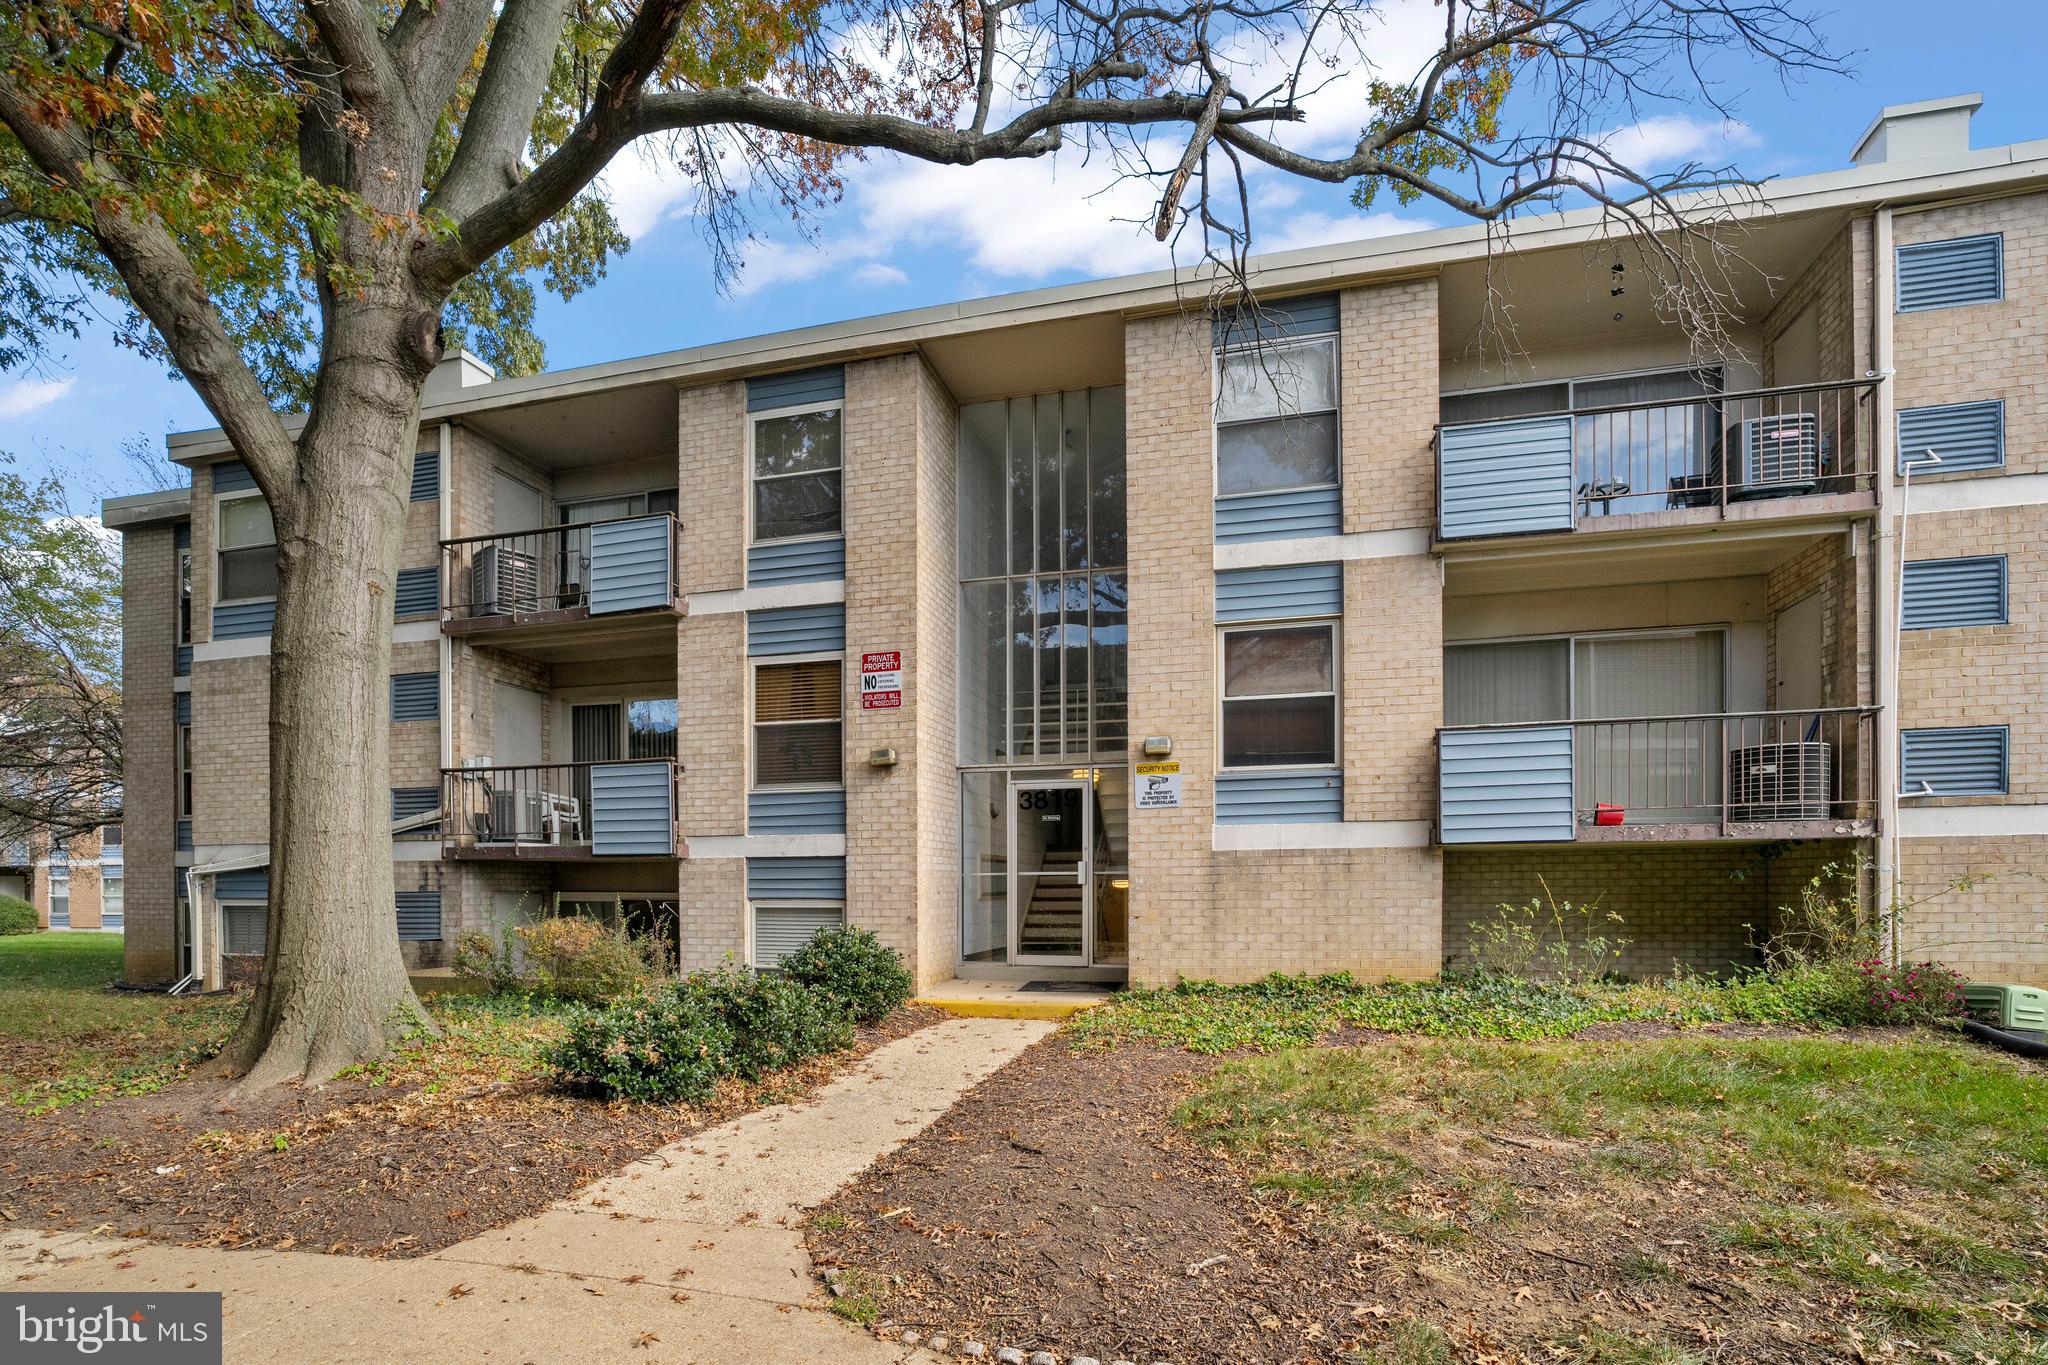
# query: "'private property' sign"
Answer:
x=881 y=681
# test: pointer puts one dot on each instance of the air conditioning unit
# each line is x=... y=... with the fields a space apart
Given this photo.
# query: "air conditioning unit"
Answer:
x=1779 y=782
x=1774 y=457
x=503 y=581
x=517 y=817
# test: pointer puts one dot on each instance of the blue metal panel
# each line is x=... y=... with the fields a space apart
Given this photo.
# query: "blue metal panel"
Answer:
x=1280 y=592
x=796 y=879
x=796 y=561
x=181 y=838
x=426 y=475
x=249 y=884
x=1956 y=761
x=632 y=811
x=415 y=696
x=182 y=667
x=1505 y=478
x=797 y=630
x=407 y=802
x=797 y=812
x=1250 y=321
x=1284 y=798
x=1952 y=273
x=1505 y=786
x=1287 y=515
x=630 y=567
x=1965 y=435
x=796 y=389
x=419 y=916
x=182 y=707
x=1955 y=592
x=183 y=535
x=417 y=592
x=244 y=620
x=232 y=476
x=178 y=875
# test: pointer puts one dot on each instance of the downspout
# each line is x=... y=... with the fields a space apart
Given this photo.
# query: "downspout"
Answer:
x=1884 y=611
x=446 y=517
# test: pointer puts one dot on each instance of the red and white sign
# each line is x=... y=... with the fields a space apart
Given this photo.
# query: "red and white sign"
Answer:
x=881 y=681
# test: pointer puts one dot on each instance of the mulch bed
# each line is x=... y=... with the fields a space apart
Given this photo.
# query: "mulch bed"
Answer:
x=1059 y=1207
x=349 y=1167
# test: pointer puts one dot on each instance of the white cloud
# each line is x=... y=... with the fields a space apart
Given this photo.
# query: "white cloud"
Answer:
x=24 y=396
x=1290 y=232
x=875 y=272
x=645 y=190
x=1666 y=140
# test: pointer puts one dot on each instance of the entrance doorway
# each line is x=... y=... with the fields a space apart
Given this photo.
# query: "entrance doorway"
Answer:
x=1051 y=873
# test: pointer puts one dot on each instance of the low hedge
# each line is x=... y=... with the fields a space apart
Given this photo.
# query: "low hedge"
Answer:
x=851 y=965
x=17 y=916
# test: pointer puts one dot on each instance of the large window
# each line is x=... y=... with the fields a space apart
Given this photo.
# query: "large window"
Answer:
x=796 y=724
x=248 y=550
x=1280 y=696
x=1276 y=417
x=796 y=475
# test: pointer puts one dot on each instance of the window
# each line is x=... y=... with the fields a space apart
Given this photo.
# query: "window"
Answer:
x=243 y=929
x=185 y=771
x=1276 y=417
x=248 y=550
x=1280 y=696
x=184 y=597
x=796 y=475
x=110 y=838
x=651 y=728
x=796 y=724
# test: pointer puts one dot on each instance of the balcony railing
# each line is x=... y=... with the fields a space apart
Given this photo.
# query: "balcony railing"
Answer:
x=1558 y=471
x=561 y=810
x=1740 y=774
x=559 y=573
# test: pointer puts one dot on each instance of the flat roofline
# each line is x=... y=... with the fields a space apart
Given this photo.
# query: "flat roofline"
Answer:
x=138 y=509
x=1162 y=291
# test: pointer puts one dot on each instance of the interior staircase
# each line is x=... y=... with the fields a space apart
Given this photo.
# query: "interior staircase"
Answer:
x=1052 y=918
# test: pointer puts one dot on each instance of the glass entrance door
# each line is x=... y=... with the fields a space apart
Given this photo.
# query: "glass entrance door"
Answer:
x=1051 y=872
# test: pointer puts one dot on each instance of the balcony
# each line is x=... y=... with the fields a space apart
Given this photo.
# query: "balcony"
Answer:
x=1755 y=775
x=1805 y=450
x=552 y=588
x=562 y=811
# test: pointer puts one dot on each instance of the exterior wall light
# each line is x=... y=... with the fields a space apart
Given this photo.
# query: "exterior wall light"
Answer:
x=881 y=758
x=1158 y=746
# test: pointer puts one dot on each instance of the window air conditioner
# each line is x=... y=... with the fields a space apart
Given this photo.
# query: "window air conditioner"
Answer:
x=1779 y=782
x=1774 y=456
x=504 y=581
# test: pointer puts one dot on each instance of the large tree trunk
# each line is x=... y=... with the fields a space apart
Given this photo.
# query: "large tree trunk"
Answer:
x=334 y=990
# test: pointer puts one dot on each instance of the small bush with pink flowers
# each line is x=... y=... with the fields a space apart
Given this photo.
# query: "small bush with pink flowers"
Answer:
x=1911 y=992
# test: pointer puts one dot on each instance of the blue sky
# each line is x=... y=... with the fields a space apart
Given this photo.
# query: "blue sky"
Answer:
x=909 y=235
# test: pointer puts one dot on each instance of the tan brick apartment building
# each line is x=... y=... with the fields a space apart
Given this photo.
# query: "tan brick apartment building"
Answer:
x=73 y=883
x=1086 y=633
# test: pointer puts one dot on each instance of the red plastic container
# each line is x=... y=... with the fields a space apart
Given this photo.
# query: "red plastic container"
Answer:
x=1604 y=814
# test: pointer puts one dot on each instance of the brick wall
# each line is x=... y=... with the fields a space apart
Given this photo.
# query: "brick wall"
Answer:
x=231 y=751
x=935 y=656
x=149 y=607
x=1993 y=930
x=1387 y=377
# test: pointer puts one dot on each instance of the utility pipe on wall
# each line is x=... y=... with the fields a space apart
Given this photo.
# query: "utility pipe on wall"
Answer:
x=1884 y=575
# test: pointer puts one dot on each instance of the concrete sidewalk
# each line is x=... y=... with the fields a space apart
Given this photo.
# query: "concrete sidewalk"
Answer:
x=692 y=1254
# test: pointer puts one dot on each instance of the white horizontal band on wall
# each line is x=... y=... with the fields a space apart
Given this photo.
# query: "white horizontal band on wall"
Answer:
x=1259 y=554
x=767 y=599
x=1348 y=834
x=248 y=647
x=1970 y=495
x=1972 y=822
x=703 y=847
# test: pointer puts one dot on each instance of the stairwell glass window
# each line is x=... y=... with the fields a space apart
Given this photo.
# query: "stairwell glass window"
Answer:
x=1280 y=696
x=796 y=724
x=1276 y=416
x=796 y=474
x=247 y=556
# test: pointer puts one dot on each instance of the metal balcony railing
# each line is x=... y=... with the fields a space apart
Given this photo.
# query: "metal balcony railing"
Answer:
x=1556 y=471
x=1594 y=779
x=563 y=572
x=561 y=809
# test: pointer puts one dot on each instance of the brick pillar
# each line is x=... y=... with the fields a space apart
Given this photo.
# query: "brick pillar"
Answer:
x=149 y=587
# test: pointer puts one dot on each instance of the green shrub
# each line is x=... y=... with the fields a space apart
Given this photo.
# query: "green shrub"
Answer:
x=1911 y=992
x=572 y=957
x=1822 y=994
x=668 y=1047
x=487 y=959
x=851 y=965
x=17 y=916
x=774 y=1022
x=1549 y=940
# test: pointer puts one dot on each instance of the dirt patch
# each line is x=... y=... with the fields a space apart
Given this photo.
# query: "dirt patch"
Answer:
x=1058 y=1206
x=350 y=1167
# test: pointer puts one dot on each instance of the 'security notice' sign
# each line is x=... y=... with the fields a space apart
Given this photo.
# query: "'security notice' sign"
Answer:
x=881 y=681
x=1158 y=786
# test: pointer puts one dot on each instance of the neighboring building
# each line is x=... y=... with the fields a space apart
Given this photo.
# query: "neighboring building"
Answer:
x=74 y=883
x=878 y=620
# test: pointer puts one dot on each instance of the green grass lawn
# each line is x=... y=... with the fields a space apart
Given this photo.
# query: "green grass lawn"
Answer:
x=1903 y=1183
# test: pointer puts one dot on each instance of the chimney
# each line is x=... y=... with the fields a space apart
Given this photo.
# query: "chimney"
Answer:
x=458 y=370
x=1901 y=132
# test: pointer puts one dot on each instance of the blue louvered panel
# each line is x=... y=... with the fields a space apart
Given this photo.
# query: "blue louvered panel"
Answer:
x=182 y=666
x=632 y=810
x=797 y=630
x=183 y=535
x=415 y=696
x=1253 y=320
x=1288 y=798
x=1281 y=592
x=1955 y=592
x=630 y=565
x=1505 y=786
x=419 y=916
x=780 y=930
x=181 y=706
x=249 y=884
x=1965 y=435
x=1952 y=273
x=796 y=812
x=178 y=876
x=232 y=476
x=181 y=838
x=796 y=879
x=800 y=388
x=1505 y=478
x=407 y=802
x=426 y=475
x=417 y=592
x=1288 y=515
x=1955 y=761
x=796 y=561
x=244 y=620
